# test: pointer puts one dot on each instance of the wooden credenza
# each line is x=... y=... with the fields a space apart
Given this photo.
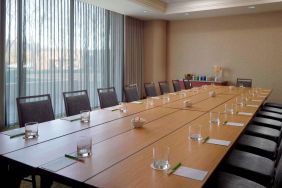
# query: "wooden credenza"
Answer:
x=199 y=83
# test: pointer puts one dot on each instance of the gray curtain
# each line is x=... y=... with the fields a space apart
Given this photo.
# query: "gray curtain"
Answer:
x=60 y=45
x=134 y=56
x=2 y=72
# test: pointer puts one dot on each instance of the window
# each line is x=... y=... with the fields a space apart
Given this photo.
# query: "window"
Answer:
x=60 y=45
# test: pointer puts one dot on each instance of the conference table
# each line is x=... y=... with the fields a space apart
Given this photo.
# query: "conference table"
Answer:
x=121 y=154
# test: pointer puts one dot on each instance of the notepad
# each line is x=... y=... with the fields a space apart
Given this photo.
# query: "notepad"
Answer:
x=191 y=173
x=113 y=108
x=58 y=164
x=14 y=132
x=245 y=113
x=256 y=100
x=172 y=93
x=137 y=102
x=252 y=105
x=236 y=124
x=72 y=118
x=263 y=96
x=218 y=142
x=155 y=97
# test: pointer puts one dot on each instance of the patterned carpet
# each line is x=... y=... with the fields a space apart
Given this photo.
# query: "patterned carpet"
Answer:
x=25 y=184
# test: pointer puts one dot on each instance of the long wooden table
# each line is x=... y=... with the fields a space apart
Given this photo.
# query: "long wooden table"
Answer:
x=122 y=155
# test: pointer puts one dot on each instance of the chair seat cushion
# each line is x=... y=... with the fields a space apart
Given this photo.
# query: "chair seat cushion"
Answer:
x=264 y=132
x=251 y=166
x=267 y=122
x=227 y=180
x=271 y=115
x=275 y=105
x=272 y=109
x=257 y=145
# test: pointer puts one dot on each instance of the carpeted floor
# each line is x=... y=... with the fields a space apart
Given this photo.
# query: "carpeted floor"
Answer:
x=25 y=184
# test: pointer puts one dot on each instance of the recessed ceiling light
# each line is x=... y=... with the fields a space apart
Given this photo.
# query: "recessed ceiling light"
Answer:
x=251 y=7
x=187 y=13
x=145 y=11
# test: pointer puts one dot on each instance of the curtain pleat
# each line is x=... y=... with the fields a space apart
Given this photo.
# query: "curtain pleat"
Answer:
x=49 y=52
x=134 y=56
x=2 y=67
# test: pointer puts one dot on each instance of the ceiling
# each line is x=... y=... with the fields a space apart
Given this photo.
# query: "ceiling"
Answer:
x=186 y=9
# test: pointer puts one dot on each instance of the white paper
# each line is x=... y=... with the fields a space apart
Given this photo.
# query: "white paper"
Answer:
x=172 y=93
x=253 y=105
x=137 y=102
x=236 y=124
x=245 y=113
x=256 y=100
x=263 y=96
x=113 y=108
x=155 y=97
x=218 y=142
x=72 y=118
x=191 y=173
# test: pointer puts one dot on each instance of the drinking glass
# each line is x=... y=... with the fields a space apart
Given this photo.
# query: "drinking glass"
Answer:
x=195 y=133
x=166 y=98
x=123 y=107
x=230 y=108
x=240 y=101
x=150 y=101
x=214 y=118
x=85 y=116
x=160 y=158
x=31 y=130
x=84 y=146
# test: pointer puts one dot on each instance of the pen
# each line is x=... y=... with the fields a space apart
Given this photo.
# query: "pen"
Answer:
x=74 y=158
x=17 y=135
x=206 y=139
x=170 y=171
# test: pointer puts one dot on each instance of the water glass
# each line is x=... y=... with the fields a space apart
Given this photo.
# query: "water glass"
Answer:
x=31 y=130
x=84 y=146
x=241 y=101
x=160 y=158
x=85 y=116
x=150 y=101
x=123 y=107
x=214 y=118
x=166 y=98
x=230 y=108
x=195 y=133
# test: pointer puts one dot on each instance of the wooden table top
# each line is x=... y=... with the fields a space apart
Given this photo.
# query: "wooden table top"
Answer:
x=122 y=155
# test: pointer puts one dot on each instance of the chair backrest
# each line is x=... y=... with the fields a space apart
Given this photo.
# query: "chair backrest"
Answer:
x=278 y=175
x=164 y=88
x=176 y=85
x=131 y=93
x=35 y=109
x=244 y=82
x=187 y=84
x=76 y=101
x=107 y=97
x=150 y=89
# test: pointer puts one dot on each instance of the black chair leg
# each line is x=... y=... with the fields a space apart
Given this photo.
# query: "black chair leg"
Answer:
x=33 y=180
x=46 y=182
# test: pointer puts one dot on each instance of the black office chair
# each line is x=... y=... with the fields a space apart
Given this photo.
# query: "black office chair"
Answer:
x=150 y=89
x=241 y=82
x=251 y=166
x=35 y=109
x=76 y=101
x=131 y=93
x=176 y=85
x=32 y=109
x=187 y=84
x=164 y=87
x=107 y=97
